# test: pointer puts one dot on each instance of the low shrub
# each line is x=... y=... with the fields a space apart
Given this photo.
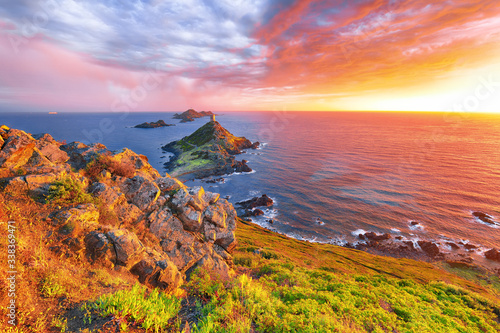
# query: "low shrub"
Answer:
x=105 y=162
x=68 y=191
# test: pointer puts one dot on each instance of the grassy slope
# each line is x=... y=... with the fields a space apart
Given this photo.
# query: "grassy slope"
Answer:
x=288 y=286
x=349 y=261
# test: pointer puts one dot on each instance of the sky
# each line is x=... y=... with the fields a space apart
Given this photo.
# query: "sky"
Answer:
x=236 y=55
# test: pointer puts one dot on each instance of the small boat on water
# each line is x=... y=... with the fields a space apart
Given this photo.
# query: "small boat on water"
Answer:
x=52 y=112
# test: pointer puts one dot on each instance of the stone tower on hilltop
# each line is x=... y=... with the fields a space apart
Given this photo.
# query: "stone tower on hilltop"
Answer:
x=212 y=118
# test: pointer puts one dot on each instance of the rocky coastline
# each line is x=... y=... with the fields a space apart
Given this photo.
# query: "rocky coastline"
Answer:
x=113 y=209
x=458 y=253
x=209 y=151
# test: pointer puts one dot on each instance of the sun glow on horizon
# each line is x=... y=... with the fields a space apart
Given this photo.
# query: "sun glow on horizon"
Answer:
x=265 y=55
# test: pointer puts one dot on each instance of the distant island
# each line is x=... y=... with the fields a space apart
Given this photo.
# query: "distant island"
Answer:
x=156 y=124
x=209 y=151
x=191 y=115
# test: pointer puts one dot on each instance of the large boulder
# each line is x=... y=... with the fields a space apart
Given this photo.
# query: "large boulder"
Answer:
x=158 y=272
x=17 y=149
x=39 y=185
x=429 y=248
x=168 y=184
x=138 y=162
x=262 y=201
x=140 y=191
x=80 y=154
x=165 y=225
x=493 y=254
x=50 y=148
x=216 y=215
x=127 y=245
x=100 y=249
x=190 y=218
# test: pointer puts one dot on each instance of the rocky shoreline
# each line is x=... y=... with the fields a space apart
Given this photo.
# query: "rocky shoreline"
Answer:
x=115 y=210
x=391 y=244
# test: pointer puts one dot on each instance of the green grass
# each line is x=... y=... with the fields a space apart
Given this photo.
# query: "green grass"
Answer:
x=153 y=310
x=50 y=287
x=286 y=298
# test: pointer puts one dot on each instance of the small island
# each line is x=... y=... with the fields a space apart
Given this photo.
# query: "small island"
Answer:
x=209 y=151
x=156 y=124
x=191 y=115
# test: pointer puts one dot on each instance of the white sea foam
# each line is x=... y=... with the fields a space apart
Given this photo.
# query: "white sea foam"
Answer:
x=358 y=232
x=415 y=227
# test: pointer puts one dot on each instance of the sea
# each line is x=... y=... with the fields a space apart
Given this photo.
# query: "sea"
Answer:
x=333 y=175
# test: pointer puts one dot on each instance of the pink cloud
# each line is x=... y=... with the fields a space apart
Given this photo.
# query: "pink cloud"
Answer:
x=45 y=75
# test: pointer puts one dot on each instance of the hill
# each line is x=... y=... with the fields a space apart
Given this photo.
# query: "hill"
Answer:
x=207 y=152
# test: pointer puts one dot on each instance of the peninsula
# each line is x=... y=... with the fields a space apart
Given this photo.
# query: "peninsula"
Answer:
x=209 y=151
x=191 y=115
x=155 y=124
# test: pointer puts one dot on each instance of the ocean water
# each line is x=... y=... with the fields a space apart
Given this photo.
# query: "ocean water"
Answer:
x=334 y=175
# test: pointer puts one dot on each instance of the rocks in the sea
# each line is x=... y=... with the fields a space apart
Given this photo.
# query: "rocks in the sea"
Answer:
x=372 y=236
x=209 y=151
x=219 y=180
x=415 y=225
x=262 y=201
x=191 y=115
x=155 y=124
x=453 y=246
x=430 y=248
x=493 y=254
x=154 y=227
x=254 y=212
x=241 y=166
x=485 y=218
x=255 y=145
x=249 y=207
x=470 y=247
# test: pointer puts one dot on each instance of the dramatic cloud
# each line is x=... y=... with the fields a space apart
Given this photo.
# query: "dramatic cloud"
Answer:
x=233 y=55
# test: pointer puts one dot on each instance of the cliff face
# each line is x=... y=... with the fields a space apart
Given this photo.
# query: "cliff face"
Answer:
x=208 y=151
x=117 y=210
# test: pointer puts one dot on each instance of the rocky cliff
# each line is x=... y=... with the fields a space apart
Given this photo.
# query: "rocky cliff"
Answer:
x=209 y=151
x=114 y=209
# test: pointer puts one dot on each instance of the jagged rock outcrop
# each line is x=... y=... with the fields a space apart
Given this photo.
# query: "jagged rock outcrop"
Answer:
x=155 y=227
x=209 y=151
